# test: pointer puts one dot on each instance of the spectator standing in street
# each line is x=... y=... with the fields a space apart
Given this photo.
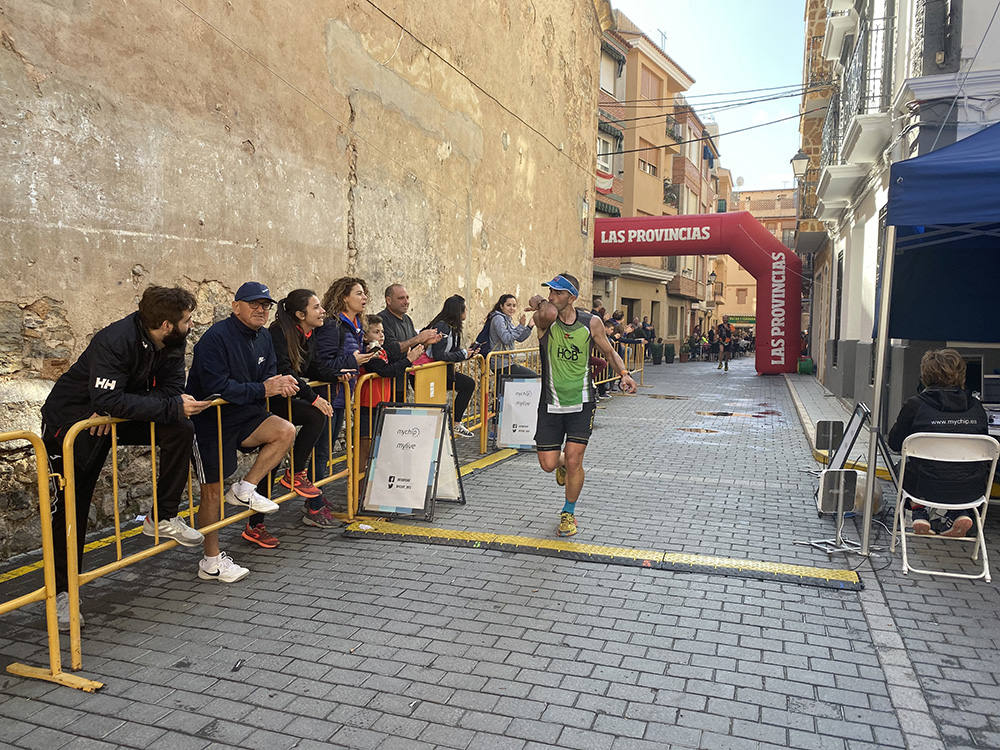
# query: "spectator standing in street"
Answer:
x=133 y=369
x=448 y=323
x=400 y=334
x=724 y=333
x=942 y=406
x=298 y=315
x=566 y=410
x=339 y=354
x=235 y=359
x=504 y=334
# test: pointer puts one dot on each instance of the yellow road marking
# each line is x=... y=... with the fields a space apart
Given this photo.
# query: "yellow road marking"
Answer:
x=645 y=556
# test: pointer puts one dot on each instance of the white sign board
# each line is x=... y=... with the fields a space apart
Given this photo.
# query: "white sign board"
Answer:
x=412 y=461
x=518 y=411
x=404 y=460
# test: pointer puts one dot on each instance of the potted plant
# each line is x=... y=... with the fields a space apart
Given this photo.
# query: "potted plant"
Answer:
x=685 y=351
x=656 y=351
x=668 y=353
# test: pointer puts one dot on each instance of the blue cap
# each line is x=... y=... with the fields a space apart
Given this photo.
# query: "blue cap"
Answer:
x=562 y=284
x=253 y=290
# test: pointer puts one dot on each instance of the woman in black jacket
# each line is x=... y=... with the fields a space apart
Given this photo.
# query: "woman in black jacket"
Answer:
x=449 y=349
x=943 y=406
x=296 y=318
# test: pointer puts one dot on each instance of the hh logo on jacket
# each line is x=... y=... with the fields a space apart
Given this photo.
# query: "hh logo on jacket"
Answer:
x=105 y=384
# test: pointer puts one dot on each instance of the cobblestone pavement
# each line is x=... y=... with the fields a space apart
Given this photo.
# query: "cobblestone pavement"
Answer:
x=366 y=643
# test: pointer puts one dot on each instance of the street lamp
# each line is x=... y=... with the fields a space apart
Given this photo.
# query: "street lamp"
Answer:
x=800 y=163
x=711 y=278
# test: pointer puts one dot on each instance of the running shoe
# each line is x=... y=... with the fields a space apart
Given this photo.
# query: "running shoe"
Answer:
x=175 y=529
x=561 y=476
x=302 y=486
x=567 y=524
x=957 y=523
x=62 y=611
x=224 y=571
x=462 y=431
x=320 y=518
x=252 y=500
x=260 y=536
x=921 y=522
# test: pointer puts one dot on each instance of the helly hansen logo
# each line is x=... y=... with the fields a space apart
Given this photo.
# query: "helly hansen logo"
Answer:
x=105 y=384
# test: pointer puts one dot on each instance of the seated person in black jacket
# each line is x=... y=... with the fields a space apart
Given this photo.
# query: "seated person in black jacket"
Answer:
x=943 y=406
x=133 y=369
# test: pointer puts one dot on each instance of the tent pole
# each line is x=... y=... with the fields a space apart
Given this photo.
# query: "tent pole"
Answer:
x=881 y=351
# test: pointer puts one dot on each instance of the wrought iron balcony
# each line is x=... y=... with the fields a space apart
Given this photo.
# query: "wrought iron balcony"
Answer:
x=671 y=194
x=868 y=74
x=807 y=194
x=830 y=153
x=819 y=71
x=673 y=130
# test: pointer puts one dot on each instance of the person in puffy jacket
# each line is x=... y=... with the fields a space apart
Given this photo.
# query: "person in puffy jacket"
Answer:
x=338 y=353
x=449 y=349
x=943 y=406
x=133 y=369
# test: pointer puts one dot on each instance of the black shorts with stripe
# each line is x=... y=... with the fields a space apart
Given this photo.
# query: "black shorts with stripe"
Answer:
x=573 y=427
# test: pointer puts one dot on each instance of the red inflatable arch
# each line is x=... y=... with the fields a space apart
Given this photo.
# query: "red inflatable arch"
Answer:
x=777 y=269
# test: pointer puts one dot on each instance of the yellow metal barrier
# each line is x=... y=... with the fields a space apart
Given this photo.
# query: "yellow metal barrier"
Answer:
x=47 y=592
x=497 y=364
x=76 y=578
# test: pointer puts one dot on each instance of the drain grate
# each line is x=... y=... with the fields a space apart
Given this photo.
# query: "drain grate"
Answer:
x=667 y=396
x=696 y=429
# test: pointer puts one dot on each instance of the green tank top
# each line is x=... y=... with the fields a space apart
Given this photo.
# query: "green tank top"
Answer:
x=565 y=354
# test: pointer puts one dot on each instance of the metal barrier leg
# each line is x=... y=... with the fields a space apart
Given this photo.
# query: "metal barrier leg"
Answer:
x=54 y=673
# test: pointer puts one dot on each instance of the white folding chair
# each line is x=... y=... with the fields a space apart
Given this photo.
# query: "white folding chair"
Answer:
x=952 y=449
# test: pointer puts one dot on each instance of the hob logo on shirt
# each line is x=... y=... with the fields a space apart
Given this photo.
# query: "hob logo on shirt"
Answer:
x=569 y=353
x=105 y=384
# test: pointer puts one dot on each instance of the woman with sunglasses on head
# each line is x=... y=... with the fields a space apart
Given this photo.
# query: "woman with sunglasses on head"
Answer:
x=504 y=333
x=297 y=316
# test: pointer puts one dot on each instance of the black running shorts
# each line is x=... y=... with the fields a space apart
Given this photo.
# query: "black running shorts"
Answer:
x=573 y=427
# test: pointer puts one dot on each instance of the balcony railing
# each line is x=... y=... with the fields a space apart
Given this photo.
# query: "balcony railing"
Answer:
x=868 y=74
x=671 y=194
x=819 y=71
x=830 y=153
x=807 y=194
x=682 y=286
x=673 y=130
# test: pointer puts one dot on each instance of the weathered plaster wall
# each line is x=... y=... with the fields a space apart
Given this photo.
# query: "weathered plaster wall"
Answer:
x=209 y=142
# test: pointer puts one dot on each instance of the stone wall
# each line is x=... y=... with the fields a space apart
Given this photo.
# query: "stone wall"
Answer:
x=449 y=146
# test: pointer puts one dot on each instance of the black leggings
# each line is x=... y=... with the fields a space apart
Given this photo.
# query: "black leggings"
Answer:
x=90 y=452
x=311 y=422
x=464 y=388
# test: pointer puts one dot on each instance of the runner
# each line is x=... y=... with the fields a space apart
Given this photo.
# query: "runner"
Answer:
x=566 y=410
x=725 y=336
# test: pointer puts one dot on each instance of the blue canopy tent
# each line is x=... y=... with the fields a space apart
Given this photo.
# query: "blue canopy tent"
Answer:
x=943 y=220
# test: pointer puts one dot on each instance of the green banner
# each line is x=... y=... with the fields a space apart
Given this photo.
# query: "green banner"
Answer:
x=742 y=319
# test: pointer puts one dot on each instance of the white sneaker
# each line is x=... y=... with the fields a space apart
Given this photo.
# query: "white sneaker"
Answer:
x=462 y=431
x=174 y=529
x=62 y=611
x=226 y=570
x=254 y=501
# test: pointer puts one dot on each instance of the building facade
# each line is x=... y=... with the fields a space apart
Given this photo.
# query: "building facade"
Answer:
x=907 y=77
x=655 y=158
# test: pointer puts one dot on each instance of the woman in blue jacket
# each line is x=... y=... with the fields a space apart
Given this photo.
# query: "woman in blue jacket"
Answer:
x=339 y=347
x=504 y=334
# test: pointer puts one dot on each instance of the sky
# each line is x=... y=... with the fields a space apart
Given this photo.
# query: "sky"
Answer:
x=734 y=45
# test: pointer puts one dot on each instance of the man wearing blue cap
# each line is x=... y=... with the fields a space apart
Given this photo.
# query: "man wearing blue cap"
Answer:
x=235 y=358
x=566 y=409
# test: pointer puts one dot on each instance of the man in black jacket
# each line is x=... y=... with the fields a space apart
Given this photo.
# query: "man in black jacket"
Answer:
x=943 y=406
x=134 y=370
